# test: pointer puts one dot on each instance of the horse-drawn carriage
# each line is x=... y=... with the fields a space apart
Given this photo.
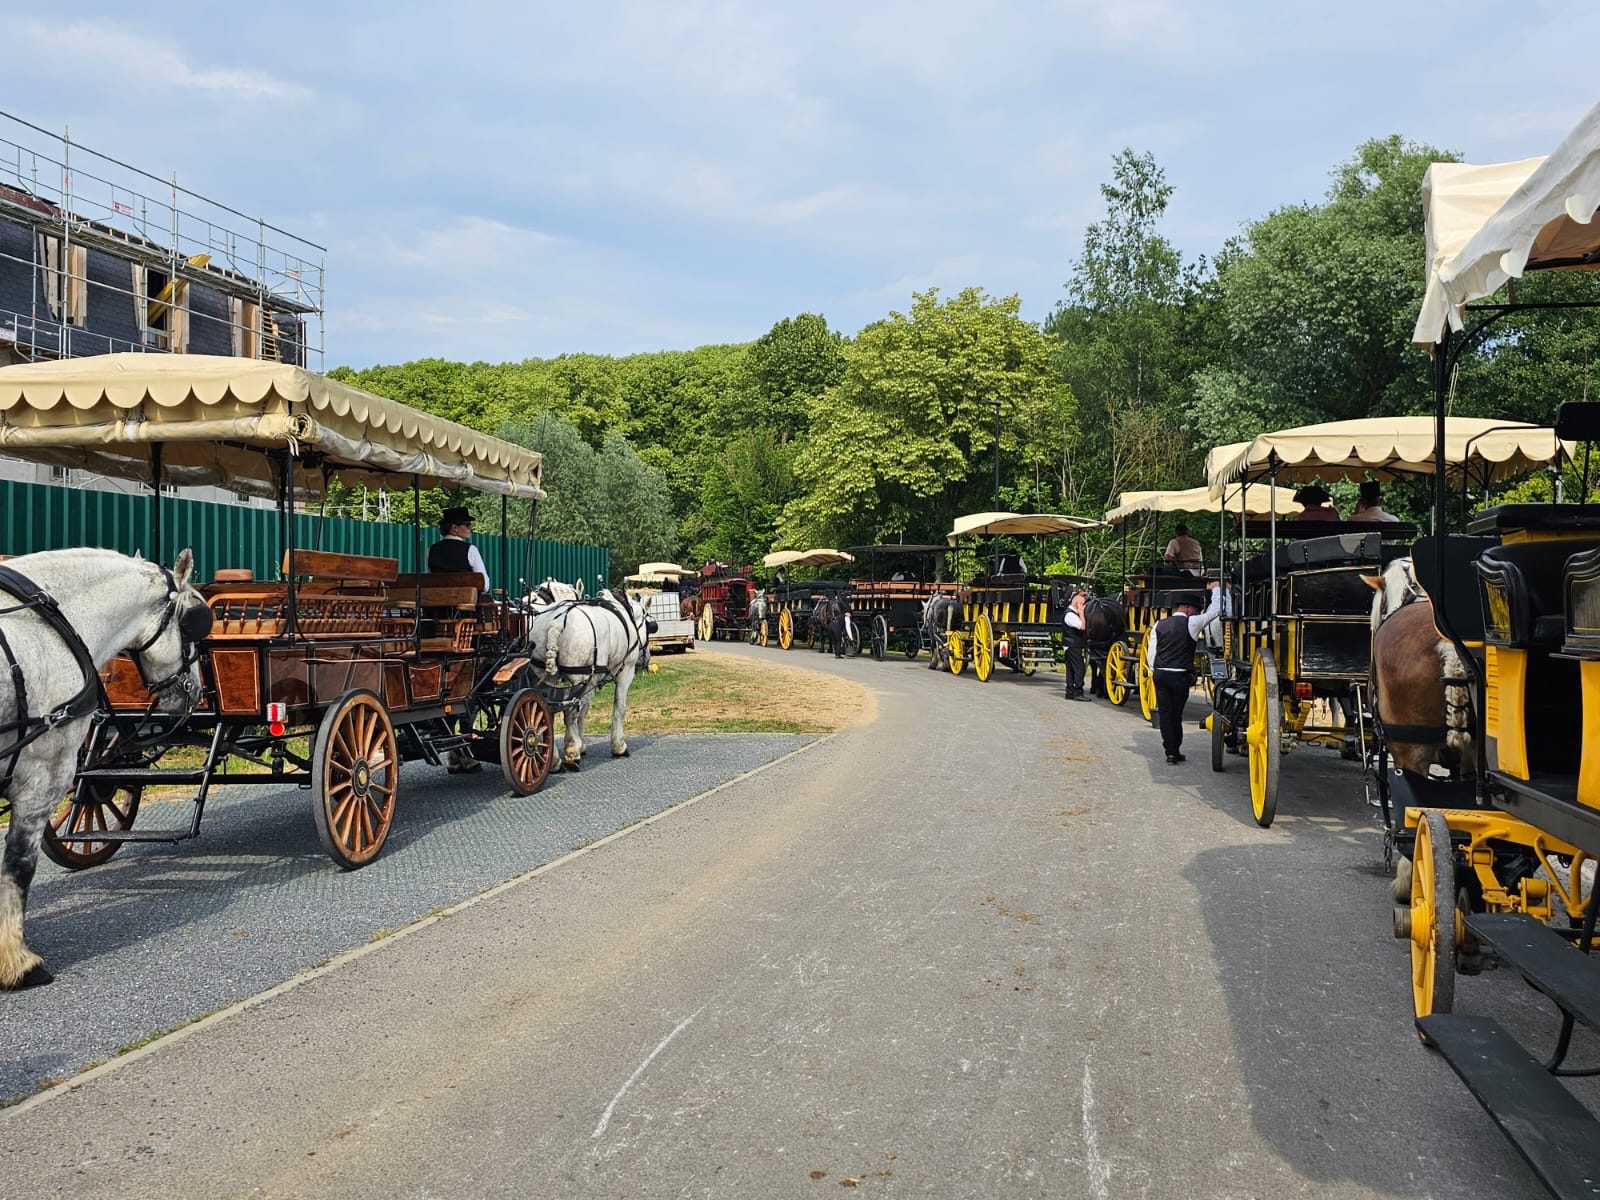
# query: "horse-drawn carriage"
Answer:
x=794 y=611
x=1150 y=595
x=1518 y=598
x=332 y=675
x=656 y=586
x=1008 y=615
x=723 y=602
x=890 y=609
x=1299 y=643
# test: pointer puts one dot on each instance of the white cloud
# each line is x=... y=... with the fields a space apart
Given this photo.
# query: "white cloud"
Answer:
x=102 y=52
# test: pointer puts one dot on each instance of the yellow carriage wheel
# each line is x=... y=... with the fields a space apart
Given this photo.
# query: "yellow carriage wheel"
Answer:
x=1146 y=680
x=1118 y=664
x=1264 y=736
x=983 y=648
x=786 y=629
x=762 y=635
x=707 y=625
x=1433 y=917
x=955 y=650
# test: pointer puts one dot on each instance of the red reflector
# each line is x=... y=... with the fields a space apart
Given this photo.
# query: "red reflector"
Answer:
x=1303 y=691
x=276 y=729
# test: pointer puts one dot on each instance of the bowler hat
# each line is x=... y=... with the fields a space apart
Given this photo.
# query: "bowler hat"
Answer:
x=455 y=516
x=1311 y=494
x=1192 y=599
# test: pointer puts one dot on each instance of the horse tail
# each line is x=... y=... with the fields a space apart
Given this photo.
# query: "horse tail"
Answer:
x=552 y=643
x=1457 y=700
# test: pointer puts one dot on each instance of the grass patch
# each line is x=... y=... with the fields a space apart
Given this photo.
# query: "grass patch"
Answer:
x=710 y=692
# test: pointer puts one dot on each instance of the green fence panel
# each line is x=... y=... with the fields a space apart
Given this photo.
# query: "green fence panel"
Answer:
x=36 y=516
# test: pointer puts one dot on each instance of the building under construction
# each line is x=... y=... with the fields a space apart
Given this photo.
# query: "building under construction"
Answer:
x=98 y=257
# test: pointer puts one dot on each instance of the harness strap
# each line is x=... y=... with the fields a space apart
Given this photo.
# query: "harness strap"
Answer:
x=1415 y=735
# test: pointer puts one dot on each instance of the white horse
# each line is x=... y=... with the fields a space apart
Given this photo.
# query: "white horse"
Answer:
x=589 y=644
x=88 y=607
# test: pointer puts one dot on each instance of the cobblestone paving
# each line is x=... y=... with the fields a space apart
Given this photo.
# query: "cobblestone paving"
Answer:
x=165 y=933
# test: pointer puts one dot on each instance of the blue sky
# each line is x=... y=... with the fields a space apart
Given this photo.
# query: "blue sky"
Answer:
x=501 y=181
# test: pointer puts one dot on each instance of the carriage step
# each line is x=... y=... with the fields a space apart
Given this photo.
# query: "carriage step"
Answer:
x=144 y=775
x=1558 y=1136
x=129 y=835
x=1546 y=960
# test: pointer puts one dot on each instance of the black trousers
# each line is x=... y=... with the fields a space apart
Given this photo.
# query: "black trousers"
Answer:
x=1077 y=641
x=836 y=635
x=1172 y=693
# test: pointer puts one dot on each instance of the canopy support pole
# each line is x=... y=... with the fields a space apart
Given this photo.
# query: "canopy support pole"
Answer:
x=155 y=503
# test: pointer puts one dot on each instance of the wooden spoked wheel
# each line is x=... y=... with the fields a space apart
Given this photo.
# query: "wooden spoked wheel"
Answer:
x=1264 y=737
x=983 y=648
x=355 y=767
x=880 y=637
x=101 y=809
x=955 y=652
x=527 y=742
x=1433 y=917
x=1118 y=664
x=1146 y=680
x=786 y=629
x=706 y=625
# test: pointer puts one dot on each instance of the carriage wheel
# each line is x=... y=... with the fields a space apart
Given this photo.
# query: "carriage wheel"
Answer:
x=527 y=742
x=1118 y=662
x=706 y=625
x=1263 y=735
x=880 y=637
x=355 y=777
x=1433 y=917
x=102 y=808
x=1219 y=740
x=852 y=641
x=1146 y=680
x=913 y=646
x=983 y=648
x=954 y=650
x=762 y=633
x=786 y=629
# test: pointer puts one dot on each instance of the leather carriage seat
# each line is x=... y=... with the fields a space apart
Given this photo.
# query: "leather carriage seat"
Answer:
x=1581 y=591
x=1532 y=575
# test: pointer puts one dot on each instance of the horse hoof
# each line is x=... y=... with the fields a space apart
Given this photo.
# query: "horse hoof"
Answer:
x=37 y=976
x=570 y=766
x=619 y=754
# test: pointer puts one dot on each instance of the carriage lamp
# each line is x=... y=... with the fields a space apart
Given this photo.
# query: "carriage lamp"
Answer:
x=277 y=714
x=1302 y=691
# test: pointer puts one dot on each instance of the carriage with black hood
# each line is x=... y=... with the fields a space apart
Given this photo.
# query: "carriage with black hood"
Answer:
x=888 y=599
x=329 y=676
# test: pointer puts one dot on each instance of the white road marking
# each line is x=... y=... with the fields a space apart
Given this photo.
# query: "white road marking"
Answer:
x=1099 y=1170
x=605 y=1117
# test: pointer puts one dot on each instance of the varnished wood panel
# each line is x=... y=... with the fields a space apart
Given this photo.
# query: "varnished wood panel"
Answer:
x=236 y=675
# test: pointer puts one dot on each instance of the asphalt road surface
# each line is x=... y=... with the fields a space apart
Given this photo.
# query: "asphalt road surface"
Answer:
x=989 y=944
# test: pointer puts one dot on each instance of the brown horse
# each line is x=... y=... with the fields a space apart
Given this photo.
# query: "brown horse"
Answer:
x=689 y=608
x=1419 y=684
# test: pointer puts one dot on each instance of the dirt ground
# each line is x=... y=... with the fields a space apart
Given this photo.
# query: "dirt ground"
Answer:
x=711 y=691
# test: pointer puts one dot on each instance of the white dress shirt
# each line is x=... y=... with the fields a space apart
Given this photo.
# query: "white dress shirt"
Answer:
x=1197 y=623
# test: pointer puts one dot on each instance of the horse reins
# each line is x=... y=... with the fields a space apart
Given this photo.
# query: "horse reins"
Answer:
x=192 y=628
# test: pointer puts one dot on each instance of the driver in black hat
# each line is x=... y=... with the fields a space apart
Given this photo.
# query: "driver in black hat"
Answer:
x=454 y=550
x=1170 y=657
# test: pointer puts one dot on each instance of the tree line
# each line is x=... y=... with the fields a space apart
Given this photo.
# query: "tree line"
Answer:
x=807 y=437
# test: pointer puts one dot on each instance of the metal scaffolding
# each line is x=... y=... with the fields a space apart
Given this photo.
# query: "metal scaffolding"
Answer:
x=173 y=271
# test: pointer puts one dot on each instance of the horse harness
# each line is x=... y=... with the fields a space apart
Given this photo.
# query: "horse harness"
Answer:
x=193 y=625
x=608 y=603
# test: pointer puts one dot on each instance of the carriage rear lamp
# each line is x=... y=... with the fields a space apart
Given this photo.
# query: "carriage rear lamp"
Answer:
x=1302 y=691
x=277 y=714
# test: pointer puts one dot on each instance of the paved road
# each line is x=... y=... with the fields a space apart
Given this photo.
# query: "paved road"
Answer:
x=988 y=945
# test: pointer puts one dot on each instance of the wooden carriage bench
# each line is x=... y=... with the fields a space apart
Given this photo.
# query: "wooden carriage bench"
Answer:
x=340 y=596
x=449 y=613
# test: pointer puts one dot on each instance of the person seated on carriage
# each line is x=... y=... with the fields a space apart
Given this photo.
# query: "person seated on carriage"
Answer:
x=1370 y=506
x=1009 y=565
x=454 y=551
x=1184 y=553
x=1315 y=506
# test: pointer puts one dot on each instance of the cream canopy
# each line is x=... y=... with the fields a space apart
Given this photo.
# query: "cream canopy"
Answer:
x=660 y=570
x=214 y=417
x=807 y=558
x=1388 y=448
x=1489 y=224
x=996 y=524
x=1201 y=500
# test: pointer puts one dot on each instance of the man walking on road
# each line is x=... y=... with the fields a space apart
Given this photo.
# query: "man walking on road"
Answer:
x=1170 y=657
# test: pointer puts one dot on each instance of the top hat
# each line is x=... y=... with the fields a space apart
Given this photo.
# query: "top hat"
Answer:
x=1192 y=599
x=1371 y=491
x=1311 y=494
x=455 y=516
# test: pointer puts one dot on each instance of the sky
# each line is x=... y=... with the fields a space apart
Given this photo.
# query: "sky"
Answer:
x=499 y=181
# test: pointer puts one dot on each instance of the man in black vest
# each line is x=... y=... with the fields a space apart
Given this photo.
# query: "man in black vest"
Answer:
x=454 y=550
x=1170 y=657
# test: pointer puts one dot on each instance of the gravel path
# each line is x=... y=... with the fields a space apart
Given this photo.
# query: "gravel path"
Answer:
x=165 y=933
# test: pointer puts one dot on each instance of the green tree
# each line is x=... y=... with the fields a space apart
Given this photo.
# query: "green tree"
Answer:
x=792 y=364
x=901 y=444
